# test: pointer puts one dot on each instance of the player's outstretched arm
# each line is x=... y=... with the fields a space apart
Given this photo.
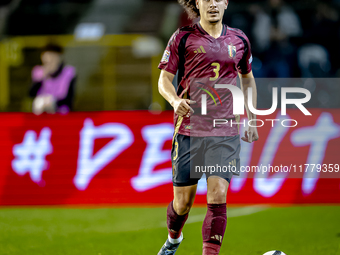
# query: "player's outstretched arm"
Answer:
x=247 y=80
x=166 y=89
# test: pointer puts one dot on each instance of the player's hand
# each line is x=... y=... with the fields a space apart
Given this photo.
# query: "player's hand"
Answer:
x=49 y=68
x=182 y=107
x=250 y=135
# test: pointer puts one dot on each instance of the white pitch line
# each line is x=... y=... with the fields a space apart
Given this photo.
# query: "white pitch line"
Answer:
x=237 y=212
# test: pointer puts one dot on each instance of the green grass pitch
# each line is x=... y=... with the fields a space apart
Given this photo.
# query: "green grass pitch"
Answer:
x=295 y=230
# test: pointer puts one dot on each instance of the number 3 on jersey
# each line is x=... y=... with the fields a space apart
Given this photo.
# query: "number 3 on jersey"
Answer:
x=216 y=71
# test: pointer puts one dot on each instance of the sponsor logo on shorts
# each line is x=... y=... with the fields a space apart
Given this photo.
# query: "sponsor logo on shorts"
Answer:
x=233 y=162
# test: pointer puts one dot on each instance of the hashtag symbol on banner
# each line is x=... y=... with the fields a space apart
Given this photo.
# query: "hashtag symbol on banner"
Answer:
x=30 y=155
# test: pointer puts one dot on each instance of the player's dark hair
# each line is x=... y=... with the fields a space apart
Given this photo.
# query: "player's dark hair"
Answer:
x=53 y=47
x=190 y=7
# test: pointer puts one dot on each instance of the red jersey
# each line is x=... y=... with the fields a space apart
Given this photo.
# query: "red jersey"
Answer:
x=202 y=61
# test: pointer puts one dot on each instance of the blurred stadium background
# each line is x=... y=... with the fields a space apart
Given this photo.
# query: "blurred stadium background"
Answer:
x=96 y=180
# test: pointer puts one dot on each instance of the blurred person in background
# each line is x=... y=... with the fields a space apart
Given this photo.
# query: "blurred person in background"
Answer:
x=318 y=57
x=273 y=26
x=53 y=83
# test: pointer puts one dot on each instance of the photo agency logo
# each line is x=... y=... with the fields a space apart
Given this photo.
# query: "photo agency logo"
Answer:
x=238 y=107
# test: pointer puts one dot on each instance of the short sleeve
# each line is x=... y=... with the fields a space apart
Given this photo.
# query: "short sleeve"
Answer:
x=244 y=66
x=170 y=59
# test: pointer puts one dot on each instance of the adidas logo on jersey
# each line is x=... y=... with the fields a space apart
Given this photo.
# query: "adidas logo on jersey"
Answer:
x=200 y=50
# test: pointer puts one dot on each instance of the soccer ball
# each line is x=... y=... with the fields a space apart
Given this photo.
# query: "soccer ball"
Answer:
x=275 y=253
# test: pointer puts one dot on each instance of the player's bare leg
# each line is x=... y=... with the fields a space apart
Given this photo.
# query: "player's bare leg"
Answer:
x=215 y=221
x=184 y=198
x=177 y=214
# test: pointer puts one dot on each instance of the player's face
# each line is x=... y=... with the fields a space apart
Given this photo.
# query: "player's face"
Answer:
x=212 y=10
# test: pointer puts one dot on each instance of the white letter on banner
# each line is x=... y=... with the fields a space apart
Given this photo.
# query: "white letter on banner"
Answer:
x=155 y=136
x=88 y=165
x=317 y=137
x=30 y=155
x=237 y=182
x=264 y=185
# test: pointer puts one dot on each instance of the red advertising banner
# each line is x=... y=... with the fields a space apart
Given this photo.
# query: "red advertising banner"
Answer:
x=123 y=158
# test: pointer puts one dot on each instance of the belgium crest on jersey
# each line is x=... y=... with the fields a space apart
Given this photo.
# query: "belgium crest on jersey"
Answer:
x=231 y=51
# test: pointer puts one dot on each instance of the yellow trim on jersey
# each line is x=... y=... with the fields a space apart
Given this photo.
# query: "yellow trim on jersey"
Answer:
x=178 y=125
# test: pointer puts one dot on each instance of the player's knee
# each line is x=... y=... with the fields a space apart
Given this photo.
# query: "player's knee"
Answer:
x=182 y=206
x=217 y=196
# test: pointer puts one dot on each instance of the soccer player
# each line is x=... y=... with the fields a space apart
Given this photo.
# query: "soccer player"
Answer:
x=211 y=51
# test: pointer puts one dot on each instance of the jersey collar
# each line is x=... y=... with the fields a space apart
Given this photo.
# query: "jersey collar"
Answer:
x=224 y=30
